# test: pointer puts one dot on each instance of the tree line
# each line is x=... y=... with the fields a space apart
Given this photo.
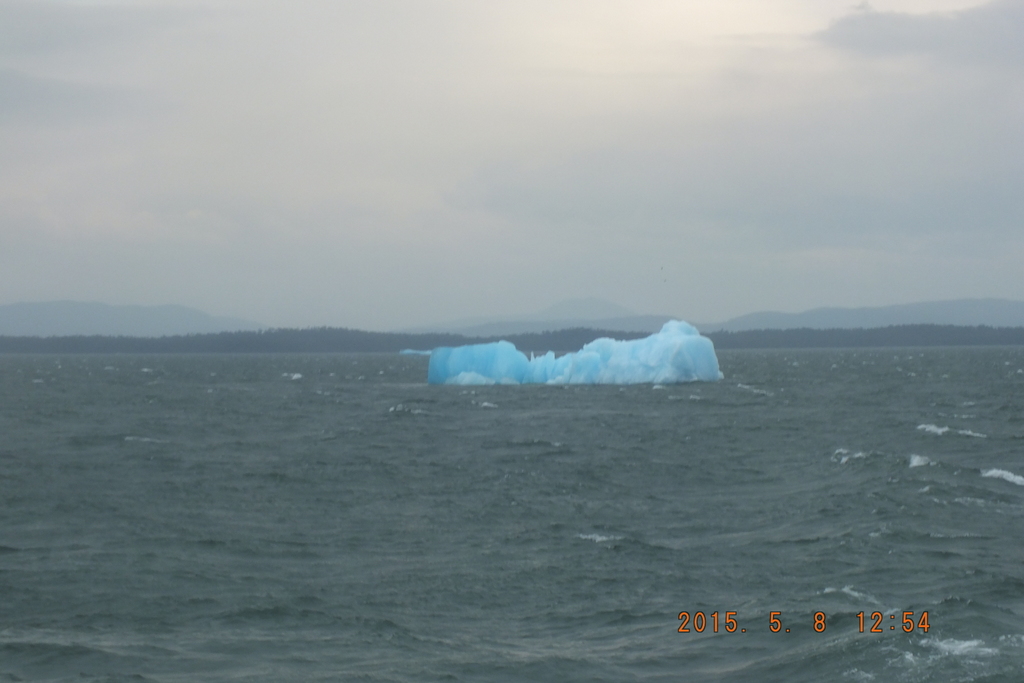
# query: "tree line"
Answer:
x=339 y=339
x=893 y=335
x=309 y=340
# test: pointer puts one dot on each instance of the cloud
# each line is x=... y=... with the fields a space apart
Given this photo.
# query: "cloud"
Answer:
x=377 y=157
x=35 y=101
x=988 y=33
x=824 y=148
x=39 y=27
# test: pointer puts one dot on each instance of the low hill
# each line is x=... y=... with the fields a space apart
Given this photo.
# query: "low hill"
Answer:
x=963 y=312
x=331 y=340
x=68 y=318
x=313 y=340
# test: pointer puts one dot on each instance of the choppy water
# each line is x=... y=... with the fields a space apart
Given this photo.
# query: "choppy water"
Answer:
x=332 y=517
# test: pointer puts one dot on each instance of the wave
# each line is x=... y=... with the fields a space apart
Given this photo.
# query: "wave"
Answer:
x=1004 y=474
x=952 y=646
x=933 y=429
x=598 y=538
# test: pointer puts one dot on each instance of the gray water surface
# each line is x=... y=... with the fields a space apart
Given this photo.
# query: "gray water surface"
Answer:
x=332 y=517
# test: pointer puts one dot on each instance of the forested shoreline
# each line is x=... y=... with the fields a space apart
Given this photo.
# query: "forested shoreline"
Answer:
x=335 y=339
x=891 y=336
x=309 y=340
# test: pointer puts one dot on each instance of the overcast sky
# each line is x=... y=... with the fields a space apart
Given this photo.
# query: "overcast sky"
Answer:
x=382 y=164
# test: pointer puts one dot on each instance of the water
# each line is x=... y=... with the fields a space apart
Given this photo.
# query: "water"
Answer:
x=332 y=517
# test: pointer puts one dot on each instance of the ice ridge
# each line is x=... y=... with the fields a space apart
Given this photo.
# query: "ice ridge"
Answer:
x=678 y=353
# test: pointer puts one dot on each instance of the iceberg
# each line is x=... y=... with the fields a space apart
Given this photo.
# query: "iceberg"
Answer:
x=678 y=353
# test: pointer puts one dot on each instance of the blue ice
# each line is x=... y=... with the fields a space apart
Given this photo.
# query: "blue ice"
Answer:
x=678 y=353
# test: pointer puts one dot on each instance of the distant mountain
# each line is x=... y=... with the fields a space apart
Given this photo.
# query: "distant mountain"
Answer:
x=603 y=315
x=633 y=323
x=991 y=312
x=341 y=340
x=589 y=308
x=65 y=318
x=588 y=312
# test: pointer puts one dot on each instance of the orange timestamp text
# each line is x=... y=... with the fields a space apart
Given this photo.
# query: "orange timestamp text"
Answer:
x=699 y=622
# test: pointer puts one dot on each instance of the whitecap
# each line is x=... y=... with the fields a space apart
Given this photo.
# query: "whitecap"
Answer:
x=952 y=646
x=292 y=375
x=761 y=392
x=860 y=596
x=968 y=432
x=1003 y=474
x=402 y=408
x=848 y=590
x=933 y=429
x=598 y=538
x=920 y=461
x=847 y=458
x=937 y=535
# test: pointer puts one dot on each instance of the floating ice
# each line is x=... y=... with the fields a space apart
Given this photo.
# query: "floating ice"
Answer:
x=678 y=353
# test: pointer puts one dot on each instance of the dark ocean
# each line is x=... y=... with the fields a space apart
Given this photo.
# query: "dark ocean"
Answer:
x=334 y=518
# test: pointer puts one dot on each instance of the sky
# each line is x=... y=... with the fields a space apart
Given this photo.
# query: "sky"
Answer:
x=381 y=164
